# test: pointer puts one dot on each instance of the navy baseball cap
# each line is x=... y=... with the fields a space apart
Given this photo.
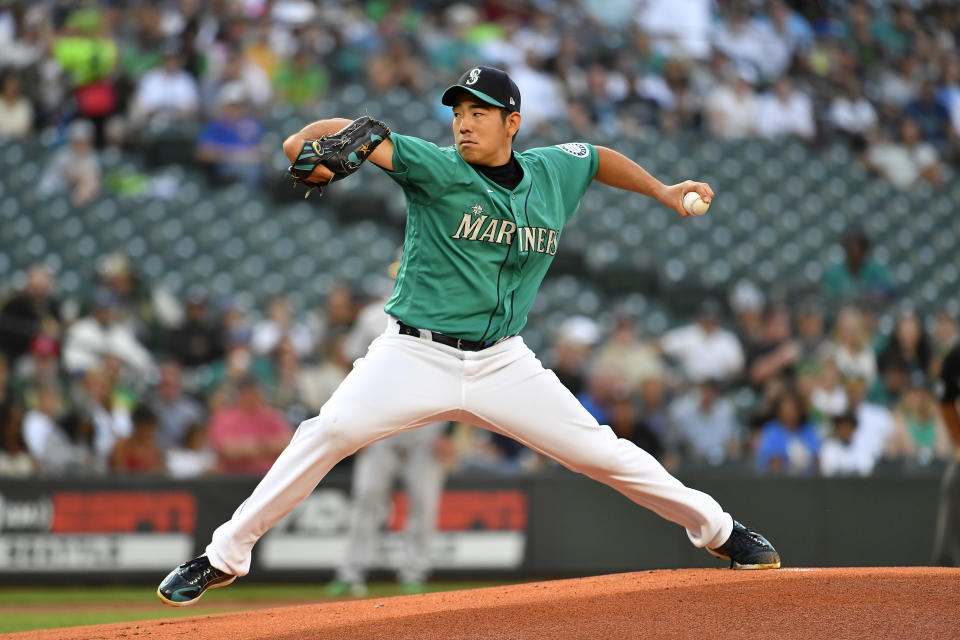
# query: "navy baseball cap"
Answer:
x=492 y=86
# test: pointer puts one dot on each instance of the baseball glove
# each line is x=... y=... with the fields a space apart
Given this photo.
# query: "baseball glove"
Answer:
x=342 y=152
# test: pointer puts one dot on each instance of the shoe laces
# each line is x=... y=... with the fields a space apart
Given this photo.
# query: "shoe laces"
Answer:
x=190 y=564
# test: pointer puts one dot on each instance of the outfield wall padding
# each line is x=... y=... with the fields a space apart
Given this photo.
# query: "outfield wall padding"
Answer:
x=553 y=524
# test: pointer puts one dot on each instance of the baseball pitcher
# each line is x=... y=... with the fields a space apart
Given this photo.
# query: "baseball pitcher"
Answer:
x=483 y=224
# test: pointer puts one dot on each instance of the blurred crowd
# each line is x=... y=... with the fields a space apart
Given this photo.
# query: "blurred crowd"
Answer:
x=134 y=380
x=196 y=79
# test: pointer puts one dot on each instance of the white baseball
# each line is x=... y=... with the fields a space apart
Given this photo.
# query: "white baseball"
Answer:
x=694 y=204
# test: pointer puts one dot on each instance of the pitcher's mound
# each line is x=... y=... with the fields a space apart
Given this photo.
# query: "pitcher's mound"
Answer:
x=907 y=602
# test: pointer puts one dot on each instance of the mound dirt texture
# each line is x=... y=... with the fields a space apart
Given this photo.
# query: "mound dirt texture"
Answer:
x=906 y=602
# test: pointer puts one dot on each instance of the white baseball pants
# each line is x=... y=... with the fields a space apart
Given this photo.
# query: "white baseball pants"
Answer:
x=405 y=382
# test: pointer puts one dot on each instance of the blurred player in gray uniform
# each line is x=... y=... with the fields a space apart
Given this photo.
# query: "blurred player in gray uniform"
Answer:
x=947 y=546
x=418 y=457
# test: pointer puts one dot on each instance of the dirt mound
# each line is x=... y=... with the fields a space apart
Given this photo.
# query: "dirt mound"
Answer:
x=906 y=602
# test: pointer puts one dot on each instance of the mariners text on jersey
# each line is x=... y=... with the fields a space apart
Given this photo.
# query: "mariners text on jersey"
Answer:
x=538 y=239
x=474 y=251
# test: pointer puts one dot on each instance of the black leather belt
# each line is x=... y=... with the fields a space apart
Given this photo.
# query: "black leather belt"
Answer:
x=450 y=341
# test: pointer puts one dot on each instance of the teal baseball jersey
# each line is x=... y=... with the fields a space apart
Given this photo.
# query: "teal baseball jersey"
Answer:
x=475 y=253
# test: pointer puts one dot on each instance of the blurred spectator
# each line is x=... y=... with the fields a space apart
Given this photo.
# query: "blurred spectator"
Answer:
x=810 y=331
x=149 y=310
x=24 y=35
x=42 y=434
x=399 y=65
x=91 y=338
x=548 y=104
x=247 y=81
x=74 y=170
x=677 y=28
x=301 y=81
x=747 y=303
x=598 y=101
x=336 y=318
x=40 y=367
x=316 y=382
x=219 y=379
x=285 y=392
x=482 y=450
x=907 y=160
x=603 y=385
x=945 y=335
x=896 y=86
x=258 y=50
x=139 y=453
x=16 y=112
x=908 y=352
x=143 y=46
x=175 y=411
x=731 y=108
x=896 y=36
x=198 y=341
x=682 y=109
x=68 y=448
x=838 y=455
x=248 y=435
x=15 y=460
x=575 y=337
x=850 y=348
x=792 y=33
x=778 y=353
x=789 y=443
x=280 y=324
x=87 y=51
x=653 y=409
x=626 y=422
x=920 y=434
x=704 y=349
x=858 y=277
x=703 y=427
x=5 y=395
x=852 y=113
x=931 y=116
x=949 y=93
x=745 y=41
x=633 y=360
x=828 y=398
x=785 y=111
x=29 y=312
x=110 y=418
x=875 y=424
x=230 y=144
x=165 y=94
x=194 y=457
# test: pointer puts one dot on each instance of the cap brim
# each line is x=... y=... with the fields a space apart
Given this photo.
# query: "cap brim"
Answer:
x=449 y=94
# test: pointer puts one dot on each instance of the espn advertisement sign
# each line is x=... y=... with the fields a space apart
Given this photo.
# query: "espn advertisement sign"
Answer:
x=476 y=529
x=88 y=531
x=139 y=527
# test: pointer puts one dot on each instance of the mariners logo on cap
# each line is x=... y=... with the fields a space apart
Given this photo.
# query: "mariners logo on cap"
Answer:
x=474 y=76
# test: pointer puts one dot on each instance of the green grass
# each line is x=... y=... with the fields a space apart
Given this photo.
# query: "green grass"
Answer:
x=99 y=603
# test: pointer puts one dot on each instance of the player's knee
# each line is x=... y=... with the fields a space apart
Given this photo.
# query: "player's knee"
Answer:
x=601 y=458
x=329 y=432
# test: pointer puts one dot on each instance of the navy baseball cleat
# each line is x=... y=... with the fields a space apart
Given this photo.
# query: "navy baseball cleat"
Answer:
x=185 y=584
x=746 y=549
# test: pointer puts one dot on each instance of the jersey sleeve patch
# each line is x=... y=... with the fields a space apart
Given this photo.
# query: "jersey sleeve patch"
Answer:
x=576 y=149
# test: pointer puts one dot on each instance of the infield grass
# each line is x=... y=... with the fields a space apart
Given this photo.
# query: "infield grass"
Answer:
x=27 y=608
